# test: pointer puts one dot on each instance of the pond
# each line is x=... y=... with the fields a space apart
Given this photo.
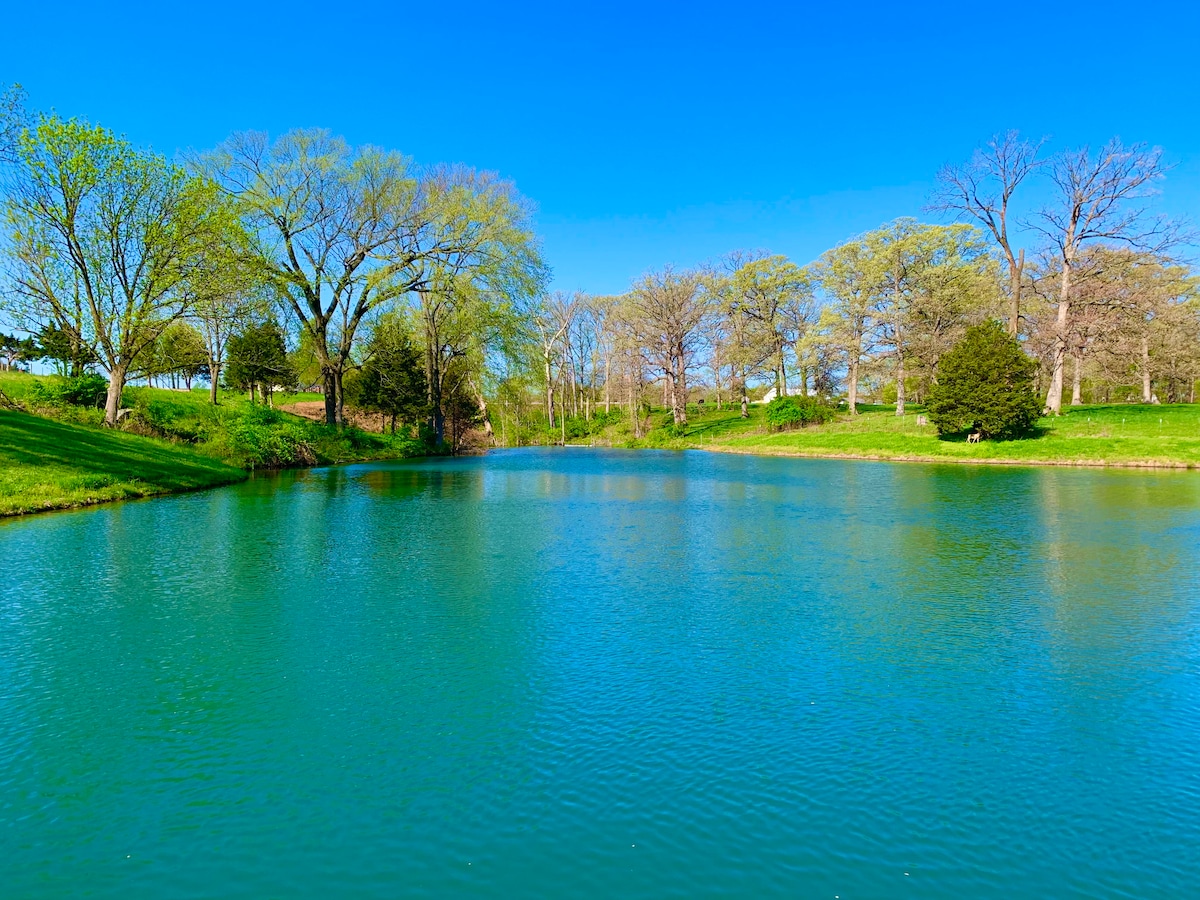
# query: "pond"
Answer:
x=581 y=673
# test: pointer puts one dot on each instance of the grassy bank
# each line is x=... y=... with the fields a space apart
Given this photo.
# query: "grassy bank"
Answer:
x=46 y=464
x=55 y=454
x=1111 y=435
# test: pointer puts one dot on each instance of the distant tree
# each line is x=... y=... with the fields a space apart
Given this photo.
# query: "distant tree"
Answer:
x=666 y=312
x=15 y=350
x=63 y=346
x=392 y=381
x=1100 y=201
x=850 y=281
x=258 y=359
x=180 y=354
x=985 y=382
x=983 y=190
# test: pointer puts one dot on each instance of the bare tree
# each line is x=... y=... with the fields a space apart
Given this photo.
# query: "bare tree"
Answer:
x=553 y=319
x=983 y=190
x=1099 y=201
x=667 y=310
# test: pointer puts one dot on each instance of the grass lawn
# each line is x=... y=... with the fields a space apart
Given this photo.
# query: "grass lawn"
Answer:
x=59 y=456
x=46 y=464
x=1121 y=434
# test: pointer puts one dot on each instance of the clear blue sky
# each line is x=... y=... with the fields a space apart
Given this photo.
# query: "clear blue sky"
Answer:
x=646 y=133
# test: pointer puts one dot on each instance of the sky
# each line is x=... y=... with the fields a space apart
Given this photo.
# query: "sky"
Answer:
x=647 y=134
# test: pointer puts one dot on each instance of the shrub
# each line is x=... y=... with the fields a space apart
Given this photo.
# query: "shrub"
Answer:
x=985 y=382
x=82 y=390
x=796 y=412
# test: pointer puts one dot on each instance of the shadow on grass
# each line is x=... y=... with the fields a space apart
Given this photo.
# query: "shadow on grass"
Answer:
x=960 y=437
x=28 y=440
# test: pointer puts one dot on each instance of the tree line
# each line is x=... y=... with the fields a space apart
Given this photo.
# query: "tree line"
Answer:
x=418 y=291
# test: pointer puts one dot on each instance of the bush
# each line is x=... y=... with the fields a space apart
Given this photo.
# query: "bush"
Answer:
x=986 y=383
x=83 y=390
x=797 y=412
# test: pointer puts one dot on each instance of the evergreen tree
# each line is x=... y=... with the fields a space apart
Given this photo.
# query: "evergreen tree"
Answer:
x=258 y=358
x=985 y=383
x=393 y=379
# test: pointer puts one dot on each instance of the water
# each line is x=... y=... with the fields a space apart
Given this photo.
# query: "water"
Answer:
x=590 y=673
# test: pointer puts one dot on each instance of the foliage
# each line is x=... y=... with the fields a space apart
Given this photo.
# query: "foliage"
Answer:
x=794 y=412
x=179 y=352
x=258 y=357
x=83 y=390
x=985 y=382
x=65 y=348
x=103 y=239
x=392 y=381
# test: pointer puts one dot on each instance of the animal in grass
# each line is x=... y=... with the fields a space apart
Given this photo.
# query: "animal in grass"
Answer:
x=974 y=437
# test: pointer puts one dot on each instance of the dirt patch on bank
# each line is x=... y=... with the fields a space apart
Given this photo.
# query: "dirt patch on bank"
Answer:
x=315 y=410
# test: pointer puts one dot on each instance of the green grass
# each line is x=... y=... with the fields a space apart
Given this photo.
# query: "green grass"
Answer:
x=171 y=441
x=45 y=464
x=1122 y=434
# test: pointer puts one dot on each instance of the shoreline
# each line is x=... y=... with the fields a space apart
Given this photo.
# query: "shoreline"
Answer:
x=959 y=461
x=788 y=454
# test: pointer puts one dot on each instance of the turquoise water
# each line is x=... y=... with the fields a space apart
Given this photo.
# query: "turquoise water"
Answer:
x=600 y=673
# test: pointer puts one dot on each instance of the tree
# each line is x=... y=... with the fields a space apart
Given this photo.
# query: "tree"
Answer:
x=1098 y=202
x=69 y=354
x=850 y=281
x=666 y=311
x=983 y=190
x=103 y=239
x=16 y=350
x=179 y=353
x=226 y=296
x=13 y=119
x=479 y=264
x=985 y=382
x=773 y=298
x=258 y=359
x=552 y=319
x=334 y=228
x=392 y=382
x=341 y=233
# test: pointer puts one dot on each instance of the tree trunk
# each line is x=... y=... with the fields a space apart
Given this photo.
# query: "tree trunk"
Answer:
x=329 y=388
x=607 y=397
x=852 y=387
x=549 y=394
x=112 y=402
x=1054 y=396
x=1076 y=378
x=782 y=373
x=487 y=421
x=214 y=375
x=899 y=382
x=1147 y=392
x=1014 y=299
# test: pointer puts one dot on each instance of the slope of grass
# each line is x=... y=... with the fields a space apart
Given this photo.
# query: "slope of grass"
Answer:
x=45 y=464
x=1120 y=434
x=170 y=441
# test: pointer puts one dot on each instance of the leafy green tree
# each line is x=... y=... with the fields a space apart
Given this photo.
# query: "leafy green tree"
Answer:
x=104 y=238
x=986 y=383
x=15 y=350
x=180 y=353
x=771 y=300
x=392 y=381
x=258 y=359
x=62 y=346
